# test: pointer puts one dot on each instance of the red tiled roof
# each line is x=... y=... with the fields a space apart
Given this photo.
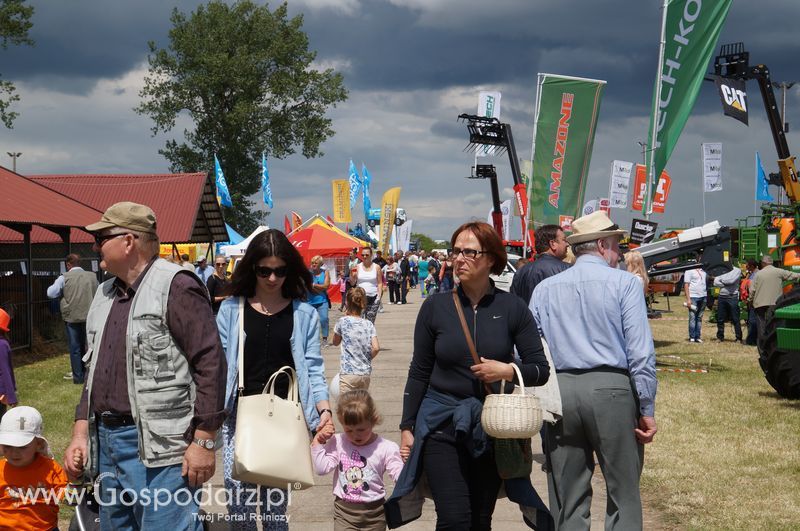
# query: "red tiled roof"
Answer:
x=28 y=202
x=184 y=203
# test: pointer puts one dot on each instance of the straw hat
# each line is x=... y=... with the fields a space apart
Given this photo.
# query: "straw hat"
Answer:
x=595 y=226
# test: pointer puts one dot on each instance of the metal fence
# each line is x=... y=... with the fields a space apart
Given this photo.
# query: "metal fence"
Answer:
x=45 y=312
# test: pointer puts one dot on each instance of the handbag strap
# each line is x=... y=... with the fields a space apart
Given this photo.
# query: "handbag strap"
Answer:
x=241 y=345
x=467 y=335
x=519 y=376
x=290 y=373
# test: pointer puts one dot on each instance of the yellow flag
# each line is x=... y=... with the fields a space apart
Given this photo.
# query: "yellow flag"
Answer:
x=341 y=201
x=389 y=204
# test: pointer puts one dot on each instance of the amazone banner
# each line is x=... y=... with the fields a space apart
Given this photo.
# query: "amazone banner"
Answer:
x=690 y=30
x=563 y=136
x=341 y=201
x=388 y=212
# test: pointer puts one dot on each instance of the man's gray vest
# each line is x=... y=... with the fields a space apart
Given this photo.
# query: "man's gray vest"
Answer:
x=79 y=288
x=160 y=386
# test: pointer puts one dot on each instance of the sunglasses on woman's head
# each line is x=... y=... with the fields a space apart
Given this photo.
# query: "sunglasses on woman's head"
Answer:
x=266 y=272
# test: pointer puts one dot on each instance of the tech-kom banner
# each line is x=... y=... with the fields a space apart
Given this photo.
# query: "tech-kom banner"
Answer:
x=341 y=201
x=566 y=120
x=660 y=195
x=691 y=29
x=389 y=203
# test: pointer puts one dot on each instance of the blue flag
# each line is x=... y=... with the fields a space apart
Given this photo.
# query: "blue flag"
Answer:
x=367 y=179
x=265 y=189
x=355 y=184
x=762 y=188
x=223 y=195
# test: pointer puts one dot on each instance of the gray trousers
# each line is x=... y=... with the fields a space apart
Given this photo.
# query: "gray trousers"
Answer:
x=600 y=412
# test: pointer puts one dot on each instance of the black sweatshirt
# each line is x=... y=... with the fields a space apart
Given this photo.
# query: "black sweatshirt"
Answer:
x=442 y=359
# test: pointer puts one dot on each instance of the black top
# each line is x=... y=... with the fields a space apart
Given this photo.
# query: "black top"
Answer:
x=441 y=356
x=380 y=261
x=267 y=348
x=448 y=270
x=528 y=276
x=215 y=287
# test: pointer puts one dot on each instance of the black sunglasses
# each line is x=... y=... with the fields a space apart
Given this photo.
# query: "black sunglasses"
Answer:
x=266 y=272
x=100 y=240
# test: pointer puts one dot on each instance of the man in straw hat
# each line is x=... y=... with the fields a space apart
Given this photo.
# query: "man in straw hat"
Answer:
x=594 y=319
x=154 y=395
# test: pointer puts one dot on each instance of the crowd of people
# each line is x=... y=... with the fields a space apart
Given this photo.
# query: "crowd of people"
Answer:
x=167 y=354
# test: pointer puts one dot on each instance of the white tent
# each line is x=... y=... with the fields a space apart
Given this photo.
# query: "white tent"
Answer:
x=238 y=249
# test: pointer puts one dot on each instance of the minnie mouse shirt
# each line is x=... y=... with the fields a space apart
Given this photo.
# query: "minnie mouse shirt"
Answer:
x=358 y=470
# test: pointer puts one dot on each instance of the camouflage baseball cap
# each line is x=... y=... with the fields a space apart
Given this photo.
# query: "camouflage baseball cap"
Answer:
x=127 y=215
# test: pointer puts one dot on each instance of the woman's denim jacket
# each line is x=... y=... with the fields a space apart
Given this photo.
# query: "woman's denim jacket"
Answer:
x=305 y=350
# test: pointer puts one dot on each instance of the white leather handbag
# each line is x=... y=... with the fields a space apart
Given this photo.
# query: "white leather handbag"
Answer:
x=271 y=444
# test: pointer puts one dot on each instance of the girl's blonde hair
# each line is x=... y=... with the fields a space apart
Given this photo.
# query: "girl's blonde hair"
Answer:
x=356 y=300
x=355 y=407
x=634 y=263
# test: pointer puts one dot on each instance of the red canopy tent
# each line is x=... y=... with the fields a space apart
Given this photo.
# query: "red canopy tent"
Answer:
x=325 y=242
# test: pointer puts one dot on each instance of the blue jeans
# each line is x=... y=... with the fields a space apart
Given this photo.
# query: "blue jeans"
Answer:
x=133 y=496
x=76 y=339
x=752 y=328
x=322 y=310
x=696 y=317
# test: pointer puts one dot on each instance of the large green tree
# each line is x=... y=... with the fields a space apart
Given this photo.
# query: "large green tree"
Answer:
x=15 y=22
x=244 y=76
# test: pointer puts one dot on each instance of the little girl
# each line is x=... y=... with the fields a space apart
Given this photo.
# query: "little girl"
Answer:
x=359 y=342
x=359 y=459
x=8 y=385
x=342 y=282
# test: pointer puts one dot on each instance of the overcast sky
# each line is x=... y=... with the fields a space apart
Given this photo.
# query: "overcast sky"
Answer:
x=412 y=66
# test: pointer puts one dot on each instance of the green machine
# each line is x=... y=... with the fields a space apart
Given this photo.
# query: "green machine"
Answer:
x=774 y=232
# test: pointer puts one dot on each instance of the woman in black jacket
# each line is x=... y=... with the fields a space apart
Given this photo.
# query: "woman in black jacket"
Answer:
x=445 y=388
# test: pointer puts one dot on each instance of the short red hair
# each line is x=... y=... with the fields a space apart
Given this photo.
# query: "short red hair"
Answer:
x=490 y=241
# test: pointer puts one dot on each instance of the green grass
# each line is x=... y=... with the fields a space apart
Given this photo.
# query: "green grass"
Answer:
x=726 y=453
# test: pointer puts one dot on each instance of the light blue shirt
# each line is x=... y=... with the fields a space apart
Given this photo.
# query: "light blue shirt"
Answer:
x=204 y=274
x=728 y=283
x=57 y=288
x=594 y=315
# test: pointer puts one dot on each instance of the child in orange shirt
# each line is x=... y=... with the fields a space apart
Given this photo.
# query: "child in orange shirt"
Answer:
x=31 y=482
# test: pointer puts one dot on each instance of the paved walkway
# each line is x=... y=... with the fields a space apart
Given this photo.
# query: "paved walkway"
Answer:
x=312 y=510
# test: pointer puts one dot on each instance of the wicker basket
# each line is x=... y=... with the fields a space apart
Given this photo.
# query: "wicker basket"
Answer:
x=511 y=416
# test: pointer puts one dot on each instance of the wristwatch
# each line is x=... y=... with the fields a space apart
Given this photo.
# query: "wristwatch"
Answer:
x=208 y=444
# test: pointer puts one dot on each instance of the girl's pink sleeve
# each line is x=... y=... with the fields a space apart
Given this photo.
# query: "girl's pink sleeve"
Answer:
x=325 y=457
x=393 y=461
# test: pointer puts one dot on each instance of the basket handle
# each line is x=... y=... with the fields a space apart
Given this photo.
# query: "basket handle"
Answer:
x=519 y=376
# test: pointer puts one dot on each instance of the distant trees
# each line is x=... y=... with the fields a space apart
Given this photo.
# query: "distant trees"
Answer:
x=244 y=76
x=15 y=22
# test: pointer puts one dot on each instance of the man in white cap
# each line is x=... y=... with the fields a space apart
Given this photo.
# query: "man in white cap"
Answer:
x=155 y=392
x=594 y=319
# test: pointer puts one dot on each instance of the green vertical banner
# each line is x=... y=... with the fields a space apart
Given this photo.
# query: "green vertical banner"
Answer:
x=690 y=30
x=563 y=136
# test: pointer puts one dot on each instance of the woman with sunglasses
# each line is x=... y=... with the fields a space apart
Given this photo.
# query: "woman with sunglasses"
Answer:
x=269 y=283
x=217 y=283
x=370 y=279
x=440 y=427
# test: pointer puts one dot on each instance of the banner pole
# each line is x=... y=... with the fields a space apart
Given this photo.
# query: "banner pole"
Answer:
x=647 y=207
x=528 y=243
x=703 y=181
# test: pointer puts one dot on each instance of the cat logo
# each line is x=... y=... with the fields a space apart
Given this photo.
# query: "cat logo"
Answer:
x=734 y=97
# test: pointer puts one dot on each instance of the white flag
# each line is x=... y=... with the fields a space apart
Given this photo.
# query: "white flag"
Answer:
x=620 y=182
x=489 y=106
x=712 y=167
x=404 y=235
x=590 y=206
x=505 y=210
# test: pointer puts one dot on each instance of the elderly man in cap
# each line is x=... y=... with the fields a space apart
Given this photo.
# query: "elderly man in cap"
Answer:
x=153 y=400
x=594 y=319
